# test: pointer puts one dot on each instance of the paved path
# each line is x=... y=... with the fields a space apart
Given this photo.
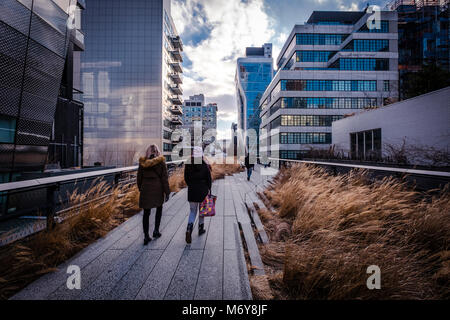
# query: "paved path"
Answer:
x=118 y=266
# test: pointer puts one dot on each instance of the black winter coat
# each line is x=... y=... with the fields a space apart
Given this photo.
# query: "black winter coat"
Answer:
x=198 y=180
x=248 y=165
x=152 y=181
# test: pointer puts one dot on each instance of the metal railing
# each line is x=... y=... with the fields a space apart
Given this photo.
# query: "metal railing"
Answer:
x=45 y=191
x=432 y=173
x=421 y=180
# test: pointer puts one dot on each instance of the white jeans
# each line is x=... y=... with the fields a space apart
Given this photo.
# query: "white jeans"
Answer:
x=195 y=206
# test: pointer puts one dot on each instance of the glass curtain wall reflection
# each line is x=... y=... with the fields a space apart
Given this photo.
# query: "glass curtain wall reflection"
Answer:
x=34 y=37
x=131 y=79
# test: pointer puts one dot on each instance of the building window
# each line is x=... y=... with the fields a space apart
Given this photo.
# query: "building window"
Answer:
x=7 y=129
x=365 y=64
x=324 y=103
x=328 y=85
x=320 y=39
x=305 y=138
x=292 y=154
x=366 y=145
x=167 y=147
x=309 y=120
x=313 y=56
x=386 y=86
x=373 y=45
x=167 y=135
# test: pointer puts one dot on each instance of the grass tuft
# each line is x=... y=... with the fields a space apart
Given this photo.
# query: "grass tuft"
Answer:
x=326 y=230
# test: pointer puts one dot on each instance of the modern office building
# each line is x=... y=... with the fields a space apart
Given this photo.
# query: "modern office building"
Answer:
x=131 y=80
x=66 y=141
x=253 y=74
x=335 y=64
x=416 y=128
x=196 y=111
x=34 y=41
x=423 y=31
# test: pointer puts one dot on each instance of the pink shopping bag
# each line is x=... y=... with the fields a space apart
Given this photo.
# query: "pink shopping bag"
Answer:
x=208 y=206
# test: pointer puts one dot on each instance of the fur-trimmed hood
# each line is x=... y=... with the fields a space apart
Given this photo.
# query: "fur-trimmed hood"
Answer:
x=147 y=163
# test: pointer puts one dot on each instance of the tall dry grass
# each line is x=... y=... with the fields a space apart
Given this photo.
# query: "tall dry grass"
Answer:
x=95 y=212
x=326 y=230
x=25 y=260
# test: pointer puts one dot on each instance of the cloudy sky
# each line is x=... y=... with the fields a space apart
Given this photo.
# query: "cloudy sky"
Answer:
x=216 y=32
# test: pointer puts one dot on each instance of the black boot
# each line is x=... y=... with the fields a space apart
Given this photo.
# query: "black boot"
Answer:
x=201 y=229
x=189 y=233
x=147 y=239
x=156 y=234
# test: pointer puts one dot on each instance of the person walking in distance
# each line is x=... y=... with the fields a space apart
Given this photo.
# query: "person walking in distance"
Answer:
x=197 y=175
x=249 y=166
x=153 y=184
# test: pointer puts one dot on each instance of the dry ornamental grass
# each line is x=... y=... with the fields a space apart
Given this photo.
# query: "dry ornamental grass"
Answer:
x=326 y=230
x=97 y=211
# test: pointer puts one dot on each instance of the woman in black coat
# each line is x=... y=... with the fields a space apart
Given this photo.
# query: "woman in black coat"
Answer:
x=153 y=184
x=197 y=175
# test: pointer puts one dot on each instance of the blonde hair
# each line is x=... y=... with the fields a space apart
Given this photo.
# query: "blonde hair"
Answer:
x=152 y=150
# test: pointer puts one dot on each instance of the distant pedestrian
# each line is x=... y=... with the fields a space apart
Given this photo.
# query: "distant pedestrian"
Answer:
x=249 y=167
x=153 y=184
x=197 y=175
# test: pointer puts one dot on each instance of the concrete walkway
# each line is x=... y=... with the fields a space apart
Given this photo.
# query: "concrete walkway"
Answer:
x=119 y=266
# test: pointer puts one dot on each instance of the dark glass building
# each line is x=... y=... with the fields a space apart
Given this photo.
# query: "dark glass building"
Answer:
x=131 y=79
x=66 y=141
x=34 y=42
x=423 y=35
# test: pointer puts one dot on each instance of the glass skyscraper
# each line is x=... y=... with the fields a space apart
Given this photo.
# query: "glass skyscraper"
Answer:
x=253 y=75
x=131 y=79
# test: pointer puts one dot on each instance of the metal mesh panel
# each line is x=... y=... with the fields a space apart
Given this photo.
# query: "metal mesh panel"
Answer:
x=6 y=156
x=15 y=15
x=37 y=108
x=33 y=132
x=30 y=157
x=45 y=60
x=12 y=43
x=40 y=84
x=47 y=36
x=11 y=72
x=9 y=101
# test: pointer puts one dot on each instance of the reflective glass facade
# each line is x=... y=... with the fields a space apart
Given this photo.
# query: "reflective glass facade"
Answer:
x=320 y=39
x=328 y=103
x=131 y=79
x=325 y=73
x=305 y=137
x=309 y=120
x=328 y=85
x=362 y=64
x=34 y=38
x=313 y=56
x=374 y=45
x=254 y=78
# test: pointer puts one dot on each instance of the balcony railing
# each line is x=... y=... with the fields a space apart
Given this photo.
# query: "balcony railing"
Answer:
x=176 y=89
x=176 y=110
x=176 y=120
x=176 y=54
x=176 y=100
x=176 y=77
x=176 y=42
x=176 y=66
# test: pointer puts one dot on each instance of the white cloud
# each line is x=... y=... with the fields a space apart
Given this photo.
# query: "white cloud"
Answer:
x=232 y=25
